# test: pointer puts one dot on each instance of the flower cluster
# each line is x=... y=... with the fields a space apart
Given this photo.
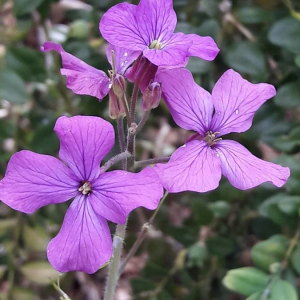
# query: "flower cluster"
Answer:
x=143 y=49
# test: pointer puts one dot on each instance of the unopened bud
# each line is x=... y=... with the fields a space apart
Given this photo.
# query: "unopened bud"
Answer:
x=151 y=96
x=119 y=85
x=116 y=107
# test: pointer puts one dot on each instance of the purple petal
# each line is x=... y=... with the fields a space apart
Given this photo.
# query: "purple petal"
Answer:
x=84 y=241
x=84 y=141
x=156 y=20
x=202 y=46
x=244 y=170
x=82 y=79
x=192 y=167
x=190 y=105
x=173 y=53
x=35 y=180
x=236 y=100
x=123 y=57
x=115 y=194
x=119 y=27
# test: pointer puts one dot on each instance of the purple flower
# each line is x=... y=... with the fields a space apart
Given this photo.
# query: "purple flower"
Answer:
x=199 y=164
x=34 y=180
x=84 y=79
x=149 y=28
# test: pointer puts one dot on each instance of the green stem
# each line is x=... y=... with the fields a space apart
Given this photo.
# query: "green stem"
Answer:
x=134 y=96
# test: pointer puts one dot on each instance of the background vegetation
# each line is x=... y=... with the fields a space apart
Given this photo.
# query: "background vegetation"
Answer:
x=223 y=245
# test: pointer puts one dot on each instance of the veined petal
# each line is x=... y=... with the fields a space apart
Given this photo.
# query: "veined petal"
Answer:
x=156 y=19
x=84 y=141
x=173 y=53
x=119 y=27
x=236 y=100
x=84 y=241
x=123 y=57
x=34 y=180
x=244 y=170
x=115 y=194
x=190 y=105
x=82 y=78
x=192 y=167
x=202 y=46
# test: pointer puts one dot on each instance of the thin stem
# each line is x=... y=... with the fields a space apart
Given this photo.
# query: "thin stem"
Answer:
x=114 y=160
x=120 y=125
x=131 y=145
x=141 y=235
x=134 y=96
x=125 y=104
x=113 y=60
x=147 y=162
x=143 y=121
x=113 y=277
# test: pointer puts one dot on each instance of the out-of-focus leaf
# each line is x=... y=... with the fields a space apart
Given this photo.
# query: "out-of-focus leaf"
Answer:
x=22 y=7
x=209 y=27
x=285 y=33
x=288 y=142
x=254 y=15
x=12 y=87
x=255 y=296
x=142 y=284
x=295 y=259
x=197 y=255
x=59 y=33
x=282 y=289
x=220 y=246
x=36 y=238
x=7 y=224
x=2 y=270
x=247 y=58
x=264 y=227
x=40 y=272
x=201 y=213
x=22 y=294
x=288 y=95
x=246 y=281
x=79 y=29
x=198 y=66
x=268 y=252
x=220 y=209
x=297 y=60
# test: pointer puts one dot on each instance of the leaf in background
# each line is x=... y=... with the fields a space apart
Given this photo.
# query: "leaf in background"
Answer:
x=285 y=33
x=295 y=259
x=36 y=238
x=22 y=7
x=247 y=58
x=220 y=209
x=22 y=294
x=270 y=251
x=246 y=281
x=254 y=15
x=40 y=272
x=197 y=255
x=12 y=87
x=288 y=142
x=283 y=290
x=220 y=246
x=288 y=95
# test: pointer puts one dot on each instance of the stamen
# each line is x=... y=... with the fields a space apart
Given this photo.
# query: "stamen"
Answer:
x=210 y=138
x=86 y=188
x=113 y=61
x=155 y=45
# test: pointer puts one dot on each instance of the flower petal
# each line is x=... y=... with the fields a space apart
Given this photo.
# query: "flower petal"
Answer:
x=123 y=57
x=115 y=194
x=119 y=27
x=236 y=100
x=82 y=78
x=202 y=46
x=189 y=104
x=84 y=141
x=84 y=241
x=174 y=52
x=244 y=170
x=34 y=180
x=156 y=19
x=192 y=167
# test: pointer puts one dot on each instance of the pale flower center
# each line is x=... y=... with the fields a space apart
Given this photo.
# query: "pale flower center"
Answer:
x=86 y=188
x=155 y=45
x=210 y=138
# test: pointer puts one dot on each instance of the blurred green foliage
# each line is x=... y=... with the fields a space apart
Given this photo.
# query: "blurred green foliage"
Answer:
x=222 y=245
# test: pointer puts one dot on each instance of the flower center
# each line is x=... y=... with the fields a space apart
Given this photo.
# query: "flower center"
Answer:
x=86 y=188
x=155 y=45
x=210 y=138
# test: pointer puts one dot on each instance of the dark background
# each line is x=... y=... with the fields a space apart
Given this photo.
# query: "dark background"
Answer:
x=196 y=238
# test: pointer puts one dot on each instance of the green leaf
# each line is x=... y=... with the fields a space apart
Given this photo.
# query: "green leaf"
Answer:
x=270 y=251
x=12 y=87
x=288 y=95
x=40 y=272
x=22 y=7
x=297 y=60
x=220 y=209
x=283 y=290
x=254 y=15
x=197 y=255
x=247 y=58
x=288 y=142
x=285 y=33
x=246 y=281
x=22 y=294
x=255 y=296
x=35 y=238
x=295 y=259
x=220 y=246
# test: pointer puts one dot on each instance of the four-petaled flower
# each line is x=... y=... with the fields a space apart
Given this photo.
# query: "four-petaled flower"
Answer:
x=34 y=180
x=84 y=79
x=149 y=28
x=199 y=164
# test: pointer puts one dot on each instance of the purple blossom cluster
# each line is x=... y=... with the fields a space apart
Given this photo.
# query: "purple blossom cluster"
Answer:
x=143 y=49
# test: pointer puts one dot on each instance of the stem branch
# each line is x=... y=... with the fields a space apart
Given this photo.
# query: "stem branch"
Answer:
x=147 y=162
x=114 y=160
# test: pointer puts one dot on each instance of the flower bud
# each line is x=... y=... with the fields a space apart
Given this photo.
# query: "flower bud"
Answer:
x=151 y=96
x=119 y=85
x=116 y=107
